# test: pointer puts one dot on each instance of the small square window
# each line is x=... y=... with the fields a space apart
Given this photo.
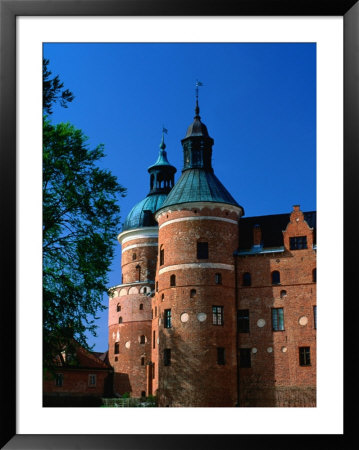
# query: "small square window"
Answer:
x=298 y=242
x=243 y=320
x=167 y=318
x=220 y=356
x=59 y=378
x=117 y=348
x=92 y=380
x=304 y=356
x=277 y=319
x=217 y=314
x=202 y=250
x=245 y=357
x=167 y=357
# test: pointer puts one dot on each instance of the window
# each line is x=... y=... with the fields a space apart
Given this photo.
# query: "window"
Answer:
x=246 y=281
x=92 y=380
x=168 y=319
x=192 y=293
x=142 y=361
x=120 y=320
x=163 y=297
x=156 y=286
x=245 y=357
x=217 y=315
x=218 y=278
x=133 y=256
x=154 y=339
x=153 y=370
x=275 y=277
x=283 y=294
x=304 y=356
x=315 y=316
x=202 y=250
x=116 y=359
x=59 y=378
x=243 y=320
x=142 y=339
x=298 y=242
x=143 y=394
x=162 y=256
x=155 y=311
x=220 y=356
x=173 y=280
x=118 y=307
x=167 y=357
x=314 y=275
x=277 y=319
x=138 y=267
x=117 y=348
x=145 y=290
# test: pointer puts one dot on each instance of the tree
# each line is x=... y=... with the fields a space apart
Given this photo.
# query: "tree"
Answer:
x=80 y=221
x=53 y=91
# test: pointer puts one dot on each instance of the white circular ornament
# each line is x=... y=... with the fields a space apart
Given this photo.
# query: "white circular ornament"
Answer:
x=261 y=323
x=201 y=317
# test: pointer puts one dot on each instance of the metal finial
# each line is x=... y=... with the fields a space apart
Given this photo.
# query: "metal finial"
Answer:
x=163 y=145
x=198 y=83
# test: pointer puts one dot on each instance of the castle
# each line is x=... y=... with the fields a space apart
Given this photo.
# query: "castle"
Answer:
x=214 y=309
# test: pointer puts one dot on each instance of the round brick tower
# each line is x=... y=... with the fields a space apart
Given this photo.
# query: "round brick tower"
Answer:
x=130 y=311
x=194 y=325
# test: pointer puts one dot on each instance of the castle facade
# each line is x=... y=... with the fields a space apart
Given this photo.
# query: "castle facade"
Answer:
x=213 y=309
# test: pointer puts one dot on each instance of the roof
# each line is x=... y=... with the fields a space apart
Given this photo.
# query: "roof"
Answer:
x=271 y=228
x=197 y=128
x=198 y=185
x=142 y=214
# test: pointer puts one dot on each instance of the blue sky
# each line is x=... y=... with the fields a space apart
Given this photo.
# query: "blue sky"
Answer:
x=258 y=102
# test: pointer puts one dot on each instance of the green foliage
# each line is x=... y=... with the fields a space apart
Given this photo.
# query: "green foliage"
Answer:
x=52 y=91
x=80 y=221
x=126 y=395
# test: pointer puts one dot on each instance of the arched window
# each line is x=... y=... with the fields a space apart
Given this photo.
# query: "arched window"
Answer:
x=117 y=348
x=163 y=297
x=275 y=277
x=193 y=293
x=173 y=280
x=120 y=320
x=218 y=278
x=143 y=394
x=133 y=256
x=314 y=275
x=118 y=307
x=142 y=339
x=246 y=281
x=142 y=361
x=141 y=305
x=283 y=294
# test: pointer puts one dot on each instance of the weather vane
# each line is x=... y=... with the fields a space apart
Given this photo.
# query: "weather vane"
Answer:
x=198 y=83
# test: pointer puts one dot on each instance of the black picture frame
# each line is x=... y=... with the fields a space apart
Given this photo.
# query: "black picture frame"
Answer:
x=9 y=10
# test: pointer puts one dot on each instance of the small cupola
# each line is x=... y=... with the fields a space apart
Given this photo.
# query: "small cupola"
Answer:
x=197 y=144
x=161 y=172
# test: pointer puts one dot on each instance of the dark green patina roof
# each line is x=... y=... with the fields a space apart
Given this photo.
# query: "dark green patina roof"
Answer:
x=162 y=157
x=198 y=185
x=142 y=214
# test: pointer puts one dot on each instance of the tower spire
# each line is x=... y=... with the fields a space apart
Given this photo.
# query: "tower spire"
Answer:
x=198 y=83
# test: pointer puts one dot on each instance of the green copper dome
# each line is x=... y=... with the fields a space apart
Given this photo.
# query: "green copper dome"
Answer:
x=142 y=214
x=198 y=185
